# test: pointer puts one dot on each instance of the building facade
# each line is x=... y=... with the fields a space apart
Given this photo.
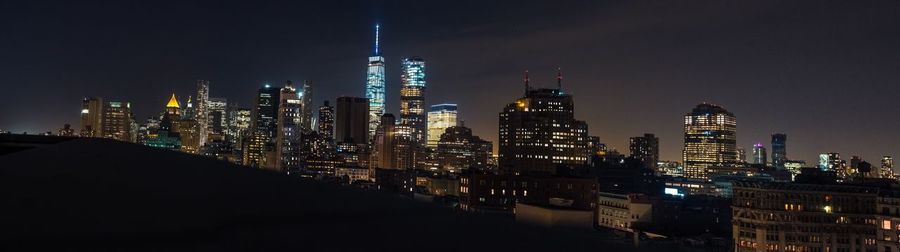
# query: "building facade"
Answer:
x=91 y=117
x=375 y=88
x=646 y=149
x=709 y=140
x=117 y=120
x=779 y=150
x=351 y=120
x=263 y=128
x=459 y=150
x=441 y=117
x=759 y=155
x=287 y=144
x=412 y=98
x=202 y=116
x=326 y=122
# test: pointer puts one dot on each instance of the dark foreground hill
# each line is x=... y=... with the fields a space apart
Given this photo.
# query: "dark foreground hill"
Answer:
x=95 y=194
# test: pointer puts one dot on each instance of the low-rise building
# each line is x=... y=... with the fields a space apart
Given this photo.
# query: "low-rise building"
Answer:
x=624 y=212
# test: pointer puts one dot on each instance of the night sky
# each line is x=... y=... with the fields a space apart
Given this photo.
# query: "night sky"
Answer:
x=826 y=73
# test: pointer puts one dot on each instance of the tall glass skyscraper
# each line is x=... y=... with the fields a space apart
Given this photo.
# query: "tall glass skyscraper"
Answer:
x=412 y=98
x=759 y=154
x=779 y=150
x=441 y=117
x=709 y=140
x=375 y=87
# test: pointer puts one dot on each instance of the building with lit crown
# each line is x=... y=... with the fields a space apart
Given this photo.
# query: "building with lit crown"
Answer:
x=263 y=128
x=441 y=117
x=375 y=91
x=287 y=143
x=709 y=140
x=539 y=133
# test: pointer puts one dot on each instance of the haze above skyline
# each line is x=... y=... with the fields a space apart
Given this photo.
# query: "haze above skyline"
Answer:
x=825 y=73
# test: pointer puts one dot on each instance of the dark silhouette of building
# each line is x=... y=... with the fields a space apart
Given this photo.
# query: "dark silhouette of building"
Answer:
x=351 y=120
x=779 y=150
x=458 y=150
x=646 y=149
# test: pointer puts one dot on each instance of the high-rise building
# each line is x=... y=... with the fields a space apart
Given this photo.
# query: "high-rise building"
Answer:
x=742 y=155
x=351 y=120
x=539 y=133
x=218 y=116
x=287 y=144
x=189 y=112
x=646 y=149
x=887 y=167
x=779 y=150
x=326 y=121
x=306 y=115
x=117 y=120
x=375 y=88
x=202 y=116
x=709 y=140
x=832 y=162
x=441 y=117
x=459 y=150
x=91 y=117
x=384 y=149
x=239 y=120
x=263 y=128
x=412 y=98
x=759 y=154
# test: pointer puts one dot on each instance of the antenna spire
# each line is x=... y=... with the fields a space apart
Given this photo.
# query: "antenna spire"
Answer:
x=527 y=85
x=559 y=78
x=377 y=31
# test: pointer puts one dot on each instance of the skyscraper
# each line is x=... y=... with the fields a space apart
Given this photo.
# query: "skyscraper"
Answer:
x=759 y=154
x=91 y=117
x=287 y=144
x=117 y=120
x=375 y=88
x=779 y=150
x=709 y=140
x=539 y=132
x=218 y=116
x=441 y=117
x=326 y=121
x=384 y=149
x=351 y=120
x=263 y=128
x=412 y=98
x=202 y=115
x=646 y=149
x=306 y=114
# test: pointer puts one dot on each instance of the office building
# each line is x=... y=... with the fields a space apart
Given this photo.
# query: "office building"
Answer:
x=709 y=140
x=91 y=117
x=326 y=121
x=306 y=114
x=375 y=89
x=263 y=128
x=459 y=150
x=351 y=120
x=759 y=154
x=117 y=120
x=832 y=162
x=646 y=150
x=384 y=149
x=287 y=144
x=202 y=116
x=539 y=132
x=779 y=150
x=441 y=117
x=218 y=116
x=412 y=98
x=742 y=155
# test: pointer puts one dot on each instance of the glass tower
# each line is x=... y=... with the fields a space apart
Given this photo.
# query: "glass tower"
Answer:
x=709 y=140
x=412 y=98
x=375 y=86
x=441 y=117
x=779 y=150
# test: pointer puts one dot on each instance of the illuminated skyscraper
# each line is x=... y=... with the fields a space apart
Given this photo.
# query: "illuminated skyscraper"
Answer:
x=117 y=120
x=287 y=144
x=832 y=162
x=375 y=88
x=459 y=150
x=412 y=98
x=779 y=150
x=202 y=116
x=326 y=122
x=263 y=128
x=306 y=115
x=709 y=140
x=218 y=116
x=759 y=154
x=441 y=117
x=539 y=133
x=887 y=167
x=646 y=149
x=91 y=117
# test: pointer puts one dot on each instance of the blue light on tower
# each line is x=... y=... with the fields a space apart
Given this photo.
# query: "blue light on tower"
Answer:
x=375 y=82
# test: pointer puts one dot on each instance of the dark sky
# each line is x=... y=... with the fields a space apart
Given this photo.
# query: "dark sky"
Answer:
x=823 y=72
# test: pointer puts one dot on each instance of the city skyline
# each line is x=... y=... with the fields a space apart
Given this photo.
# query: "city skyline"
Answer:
x=800 y=108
